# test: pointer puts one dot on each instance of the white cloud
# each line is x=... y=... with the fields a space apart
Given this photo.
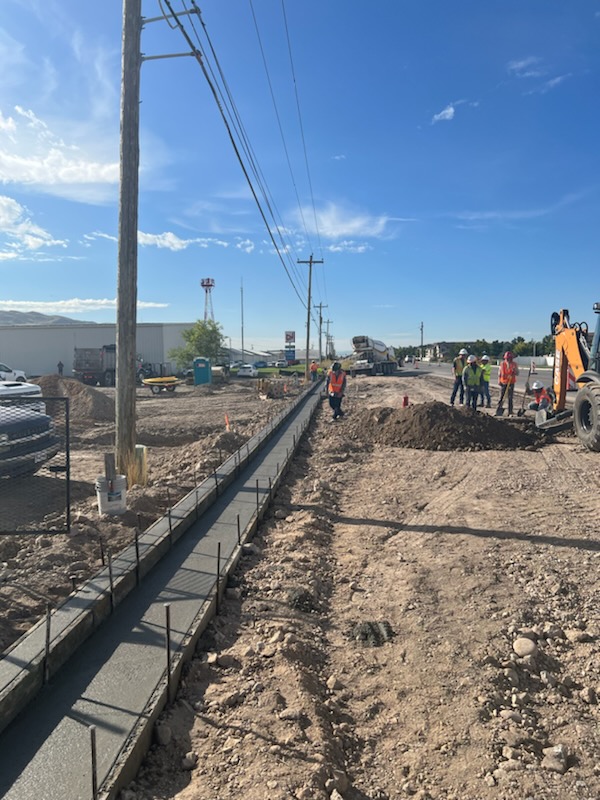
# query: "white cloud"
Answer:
x=520 y=214
x=546 y=87
x=444 y=116
x=31 y=154
x=170 y=241
x=529 y=67
x=346 y=246
x=339 y=158
x=73 y=306
x=20 y=236
x=336 y=222
x=246 y=245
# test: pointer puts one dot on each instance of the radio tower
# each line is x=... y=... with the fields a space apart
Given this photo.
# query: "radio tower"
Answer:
x=208 y=284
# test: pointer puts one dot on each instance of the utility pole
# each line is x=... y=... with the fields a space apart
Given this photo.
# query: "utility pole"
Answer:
x=328 y=339
x=127 y=248
x=310 y=263
x=421 y=353
x=320 y=307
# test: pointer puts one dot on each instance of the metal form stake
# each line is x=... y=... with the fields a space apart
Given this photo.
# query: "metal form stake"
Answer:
x=102 y=552
x=94 y=762
x=270 y=489
x=73 y=579
x=216 y=482
x=137 y=555
x=168 y=645
x=110 y=579
x=196 y=490
x=257 y=504
x=218 y=574
x=238 y=531
x=47 y=647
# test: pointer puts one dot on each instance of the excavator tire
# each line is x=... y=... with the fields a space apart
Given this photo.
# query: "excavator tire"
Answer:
x=586 y=416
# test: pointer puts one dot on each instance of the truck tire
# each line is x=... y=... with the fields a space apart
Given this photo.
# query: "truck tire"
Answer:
x=586 y=416
x=109 y=378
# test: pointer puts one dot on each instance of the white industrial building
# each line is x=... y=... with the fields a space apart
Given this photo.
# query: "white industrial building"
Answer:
x=37 y=349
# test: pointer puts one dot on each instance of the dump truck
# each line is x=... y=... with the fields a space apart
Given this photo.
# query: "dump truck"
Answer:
x=372 y=357
x=98 y=365
x=577 y=350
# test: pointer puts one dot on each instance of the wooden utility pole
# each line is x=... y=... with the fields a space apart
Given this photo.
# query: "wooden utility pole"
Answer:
x=320 y=306
x=310 y=263
x=421 y=353
x=328 y=339
x=128 y=226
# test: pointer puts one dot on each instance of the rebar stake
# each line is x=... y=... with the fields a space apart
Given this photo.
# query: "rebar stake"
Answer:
x=110 y=579
x=94 y=762
x=136 y=541
x=238 y=531
x=73 y=579
x=47 y=646
x=257 y=503
x=218 y=574
x=168 y=645
x=102 y=552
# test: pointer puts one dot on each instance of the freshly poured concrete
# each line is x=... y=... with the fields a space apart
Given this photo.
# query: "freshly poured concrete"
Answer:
x=113 y=679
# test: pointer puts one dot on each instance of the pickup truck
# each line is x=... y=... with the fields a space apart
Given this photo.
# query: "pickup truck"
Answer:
x=9 y=374
x=27 y=440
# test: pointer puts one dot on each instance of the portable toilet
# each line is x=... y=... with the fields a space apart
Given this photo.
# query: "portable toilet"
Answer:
x=202 y=372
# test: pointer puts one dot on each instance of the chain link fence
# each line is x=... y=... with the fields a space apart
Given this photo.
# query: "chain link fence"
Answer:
x=34 y=465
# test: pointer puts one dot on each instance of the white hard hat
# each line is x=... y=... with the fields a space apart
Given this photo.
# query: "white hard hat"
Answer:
x=485 y=358
x=471 y=360
x=537 y=385
x=463 y=352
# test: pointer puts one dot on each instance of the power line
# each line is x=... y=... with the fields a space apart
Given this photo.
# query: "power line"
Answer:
x=199 y=58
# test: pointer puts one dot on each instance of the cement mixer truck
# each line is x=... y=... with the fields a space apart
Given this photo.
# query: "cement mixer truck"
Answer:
x=372 y=357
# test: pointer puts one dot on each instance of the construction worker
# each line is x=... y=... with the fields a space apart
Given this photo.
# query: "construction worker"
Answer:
x=541 y=399
x=458 y=366
x=336 y=386
x=473 y=379
x=485 y=386
x=314 y=371
x=507 y=377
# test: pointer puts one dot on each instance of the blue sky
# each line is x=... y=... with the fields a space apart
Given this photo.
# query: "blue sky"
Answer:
x=451 y=174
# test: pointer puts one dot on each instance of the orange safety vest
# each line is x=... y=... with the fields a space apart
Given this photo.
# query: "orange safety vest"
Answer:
x=541 y=394
x=336 y=382
x=313 y=368
x=508 y=372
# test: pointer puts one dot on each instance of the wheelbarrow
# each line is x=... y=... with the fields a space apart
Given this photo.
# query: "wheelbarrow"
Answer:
x=157 y=385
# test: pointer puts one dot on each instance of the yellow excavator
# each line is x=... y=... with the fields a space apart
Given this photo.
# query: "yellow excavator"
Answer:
x=577 y=350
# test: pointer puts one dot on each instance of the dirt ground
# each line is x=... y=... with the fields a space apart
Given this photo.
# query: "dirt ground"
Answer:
x=417 y=616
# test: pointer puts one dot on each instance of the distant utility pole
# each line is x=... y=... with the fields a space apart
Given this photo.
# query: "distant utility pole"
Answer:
x=310 y=263
x=328 y=339
x=421 y=353
x=320 y=307
x=242 y=307
x=127 y=248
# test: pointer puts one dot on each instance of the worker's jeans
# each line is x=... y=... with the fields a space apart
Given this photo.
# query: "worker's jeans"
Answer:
x=458 y=385
x=335 y=404
x=539 y=406
x=507 y=388
x=472 y=396
x=485 y=394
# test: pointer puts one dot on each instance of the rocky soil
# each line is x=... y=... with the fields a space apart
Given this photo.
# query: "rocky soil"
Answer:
x=417 y=616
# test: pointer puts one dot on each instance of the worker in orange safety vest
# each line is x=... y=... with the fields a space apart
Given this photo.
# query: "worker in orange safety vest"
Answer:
x=541 y=397
x=507 y=377
x=336 y=386
x=314 y=370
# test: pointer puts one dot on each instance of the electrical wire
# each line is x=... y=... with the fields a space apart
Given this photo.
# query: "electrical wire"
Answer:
x=228 y=114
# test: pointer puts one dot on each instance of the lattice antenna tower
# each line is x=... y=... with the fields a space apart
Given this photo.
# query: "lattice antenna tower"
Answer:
x=208 y=284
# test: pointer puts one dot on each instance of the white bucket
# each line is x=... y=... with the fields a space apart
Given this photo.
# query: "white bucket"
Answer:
x=112 y=495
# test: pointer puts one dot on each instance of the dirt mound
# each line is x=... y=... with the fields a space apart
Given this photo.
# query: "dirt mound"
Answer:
x=86 y=403
x=436 y=426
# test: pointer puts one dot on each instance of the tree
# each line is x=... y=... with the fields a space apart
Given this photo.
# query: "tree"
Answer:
x=204 y=339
